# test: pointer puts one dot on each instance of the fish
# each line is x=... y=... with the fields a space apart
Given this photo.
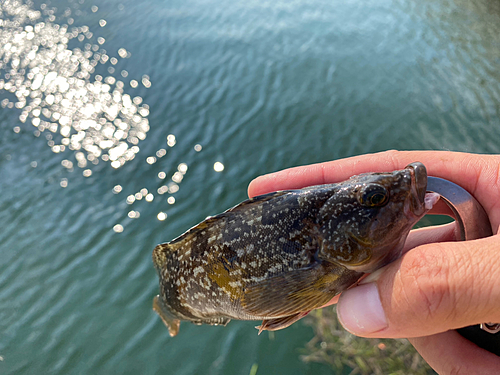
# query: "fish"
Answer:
x=276 y=257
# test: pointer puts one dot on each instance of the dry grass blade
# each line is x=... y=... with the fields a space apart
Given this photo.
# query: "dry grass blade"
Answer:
x=348 y=354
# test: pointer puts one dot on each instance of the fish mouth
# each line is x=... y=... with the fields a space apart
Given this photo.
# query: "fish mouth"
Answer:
x=418 y=175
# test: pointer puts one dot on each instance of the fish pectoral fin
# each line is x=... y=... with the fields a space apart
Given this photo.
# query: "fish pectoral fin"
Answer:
x=280 y=323
x=290 y=293
x=171 y=323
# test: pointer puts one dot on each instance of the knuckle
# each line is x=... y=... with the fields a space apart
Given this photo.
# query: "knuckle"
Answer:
x=457 y=369
x=425 y=284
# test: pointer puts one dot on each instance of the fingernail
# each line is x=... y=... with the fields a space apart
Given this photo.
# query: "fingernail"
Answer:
x=360 y=310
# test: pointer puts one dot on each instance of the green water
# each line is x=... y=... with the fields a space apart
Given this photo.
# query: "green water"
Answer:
x=260 y=86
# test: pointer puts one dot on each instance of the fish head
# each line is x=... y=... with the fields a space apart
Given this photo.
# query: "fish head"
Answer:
x=365 y=224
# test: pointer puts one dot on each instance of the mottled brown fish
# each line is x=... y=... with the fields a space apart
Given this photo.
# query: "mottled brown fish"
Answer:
x=278 y=256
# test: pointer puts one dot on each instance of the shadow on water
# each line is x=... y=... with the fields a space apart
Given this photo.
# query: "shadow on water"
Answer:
x=124 y=123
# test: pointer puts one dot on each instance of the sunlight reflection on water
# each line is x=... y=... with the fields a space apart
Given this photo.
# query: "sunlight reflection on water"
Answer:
x=72 y=96
x=59 y=91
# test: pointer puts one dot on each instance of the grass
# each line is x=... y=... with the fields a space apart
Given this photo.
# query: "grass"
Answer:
x=349 y=354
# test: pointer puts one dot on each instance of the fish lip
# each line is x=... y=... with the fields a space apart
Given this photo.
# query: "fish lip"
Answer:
x=418 y=175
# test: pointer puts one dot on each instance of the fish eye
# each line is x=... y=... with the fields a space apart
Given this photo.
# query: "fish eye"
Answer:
x=374 y=196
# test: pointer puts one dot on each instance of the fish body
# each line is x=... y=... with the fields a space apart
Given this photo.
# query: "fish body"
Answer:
x=275 y=257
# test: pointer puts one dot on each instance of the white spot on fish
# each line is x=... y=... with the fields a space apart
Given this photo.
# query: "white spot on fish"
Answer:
x=198 y=270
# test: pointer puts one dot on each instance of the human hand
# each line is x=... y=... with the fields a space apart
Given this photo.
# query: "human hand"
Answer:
x=436 y=287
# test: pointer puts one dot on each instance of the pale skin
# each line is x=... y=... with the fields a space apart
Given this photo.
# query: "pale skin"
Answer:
x=439 y=285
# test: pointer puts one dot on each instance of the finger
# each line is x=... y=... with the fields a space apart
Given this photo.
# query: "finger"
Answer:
x=440 y=208
x=339 y=170
x=322 y=173
x=431 y=289
x=478 y=174
x=450 y=353
x=333 y=301
x=462 y=168
x=427 y=235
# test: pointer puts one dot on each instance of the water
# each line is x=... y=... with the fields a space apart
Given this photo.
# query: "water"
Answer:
x=256 y=86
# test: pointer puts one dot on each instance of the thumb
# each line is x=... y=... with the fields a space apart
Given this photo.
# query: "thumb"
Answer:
x=431 y=289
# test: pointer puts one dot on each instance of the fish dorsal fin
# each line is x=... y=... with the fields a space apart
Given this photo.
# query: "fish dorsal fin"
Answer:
x=194 y=230
x=213 y=219
x=259 y=199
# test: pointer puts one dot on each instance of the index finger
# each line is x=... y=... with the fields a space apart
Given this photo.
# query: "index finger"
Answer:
x=478 y=174
x=437 y=163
